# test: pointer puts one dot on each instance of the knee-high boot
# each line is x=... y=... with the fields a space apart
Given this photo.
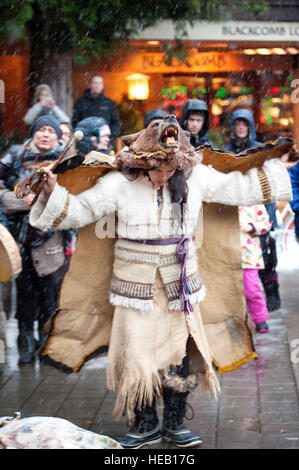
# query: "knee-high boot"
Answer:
x=173 y=428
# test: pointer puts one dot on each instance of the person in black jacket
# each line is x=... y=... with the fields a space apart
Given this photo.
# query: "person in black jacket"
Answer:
x=95 y=103
x=195 y=119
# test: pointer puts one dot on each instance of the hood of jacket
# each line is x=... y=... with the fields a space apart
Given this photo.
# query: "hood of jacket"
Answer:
x=38 y=89
x=196 y=106
x=248 y=117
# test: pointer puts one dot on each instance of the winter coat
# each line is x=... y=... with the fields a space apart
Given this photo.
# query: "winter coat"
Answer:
x=47 y=248
x=97 y=105
x=257 y=216
x=251 y=142
x=195 y=106
x=294 y=175
x=37 y=110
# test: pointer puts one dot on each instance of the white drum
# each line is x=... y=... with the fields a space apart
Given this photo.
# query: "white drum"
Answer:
x=10 y=258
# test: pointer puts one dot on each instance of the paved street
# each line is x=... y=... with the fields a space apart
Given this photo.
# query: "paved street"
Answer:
x=258 y=408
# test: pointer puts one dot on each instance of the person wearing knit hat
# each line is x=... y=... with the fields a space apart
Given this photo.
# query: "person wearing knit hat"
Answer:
x=102 y=135
x=97 y=135
x=103 y=139
x=46 y=121
x=105 y=130
x=42 y=252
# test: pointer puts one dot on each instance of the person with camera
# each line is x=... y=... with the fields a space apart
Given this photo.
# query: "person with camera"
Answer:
x=44 y=104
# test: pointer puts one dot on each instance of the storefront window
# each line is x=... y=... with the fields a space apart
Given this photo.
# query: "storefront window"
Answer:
x=178 y=89
x=229 y=93
x=222 y=94
x=276 y=105
x=266 y=94
x=174 y=99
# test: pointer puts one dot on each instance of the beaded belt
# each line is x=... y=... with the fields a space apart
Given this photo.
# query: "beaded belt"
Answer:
x=182 y=252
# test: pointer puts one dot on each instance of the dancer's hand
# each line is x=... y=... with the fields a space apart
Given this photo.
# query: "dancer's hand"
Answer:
x=287 y=162
x=28 y=200
x=49 y=180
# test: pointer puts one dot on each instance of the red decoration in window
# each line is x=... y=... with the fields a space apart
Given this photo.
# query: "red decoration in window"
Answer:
x=274 y=90
x=263 y=119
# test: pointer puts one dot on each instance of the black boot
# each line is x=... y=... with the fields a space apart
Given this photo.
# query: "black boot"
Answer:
x=174 y=411
x=272 y=295
x=42 y=339
x=145 y=431
x=27 y=347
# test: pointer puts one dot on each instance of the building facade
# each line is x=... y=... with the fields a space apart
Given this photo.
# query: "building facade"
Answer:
x=229 y=64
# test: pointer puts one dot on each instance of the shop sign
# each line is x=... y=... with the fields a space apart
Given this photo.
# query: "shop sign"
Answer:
x=225 y=30
x=207 y=62
x=155 y=62
x=261 y=31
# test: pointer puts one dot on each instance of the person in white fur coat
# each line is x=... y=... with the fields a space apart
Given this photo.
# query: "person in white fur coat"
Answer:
x=155 y=273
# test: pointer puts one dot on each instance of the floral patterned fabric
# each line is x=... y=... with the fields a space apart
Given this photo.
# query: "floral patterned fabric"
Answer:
x=47 y=432
x=257 y=216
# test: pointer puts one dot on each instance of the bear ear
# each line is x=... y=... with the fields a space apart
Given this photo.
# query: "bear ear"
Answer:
x=129 y=139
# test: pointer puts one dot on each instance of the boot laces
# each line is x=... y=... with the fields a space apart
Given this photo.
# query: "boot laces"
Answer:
x=185 y=411
x=144 y=421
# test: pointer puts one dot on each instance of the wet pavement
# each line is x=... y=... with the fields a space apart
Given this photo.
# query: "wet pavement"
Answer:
x=258 y=407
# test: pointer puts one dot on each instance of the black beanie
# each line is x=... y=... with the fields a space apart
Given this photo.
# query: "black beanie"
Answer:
x=47 y=120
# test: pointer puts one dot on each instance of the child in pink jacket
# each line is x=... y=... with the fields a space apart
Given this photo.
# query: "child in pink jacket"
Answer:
x=254 y=221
